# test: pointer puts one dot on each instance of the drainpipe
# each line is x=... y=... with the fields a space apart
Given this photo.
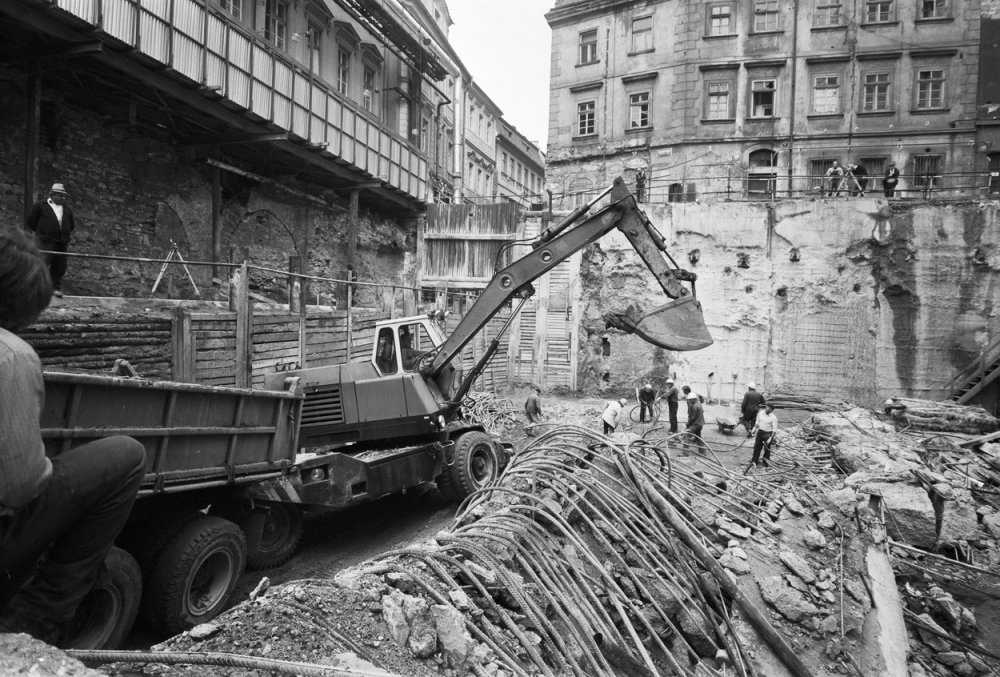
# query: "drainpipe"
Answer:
x=459 y=189
x=791 y=114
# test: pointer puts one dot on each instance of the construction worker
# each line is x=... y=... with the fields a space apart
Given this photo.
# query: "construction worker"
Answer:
x=672 y=398
x=696 y=420
x=613 y=415
x=766 y=427
x=751 y=405
x=647 y=396
x=533 y=406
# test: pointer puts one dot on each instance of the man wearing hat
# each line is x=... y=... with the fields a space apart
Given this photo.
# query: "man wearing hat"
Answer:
x=751 y=405
x=890 y=180
x=672 y=397
x=696 y=420
x=52 y=223
x=647 y=396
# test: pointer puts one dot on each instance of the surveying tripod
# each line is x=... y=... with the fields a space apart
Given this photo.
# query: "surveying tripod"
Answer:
x=174 y=256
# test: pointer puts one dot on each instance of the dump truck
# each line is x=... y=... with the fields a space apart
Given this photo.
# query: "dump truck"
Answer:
x=230 y=471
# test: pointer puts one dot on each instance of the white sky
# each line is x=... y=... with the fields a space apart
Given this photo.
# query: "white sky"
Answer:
x=506 y=46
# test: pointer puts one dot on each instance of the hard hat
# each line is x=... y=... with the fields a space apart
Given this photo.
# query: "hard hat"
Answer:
x=622 y=400
x=669 y=380
x=751 y=385
x=649 y=386
x=692 y=396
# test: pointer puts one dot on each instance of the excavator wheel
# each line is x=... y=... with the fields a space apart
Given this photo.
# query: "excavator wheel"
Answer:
x=475 y=465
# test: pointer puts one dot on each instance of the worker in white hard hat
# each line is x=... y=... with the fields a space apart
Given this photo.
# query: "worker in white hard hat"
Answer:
x=696 y=421
x=752 y=402
x=647 y=396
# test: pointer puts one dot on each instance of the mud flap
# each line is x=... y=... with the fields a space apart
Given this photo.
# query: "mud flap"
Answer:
x=677 y=325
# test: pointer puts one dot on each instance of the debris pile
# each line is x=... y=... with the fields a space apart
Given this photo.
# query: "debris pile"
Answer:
x=496 y=414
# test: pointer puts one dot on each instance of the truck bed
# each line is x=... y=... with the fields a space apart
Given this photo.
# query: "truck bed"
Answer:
x=195 y=436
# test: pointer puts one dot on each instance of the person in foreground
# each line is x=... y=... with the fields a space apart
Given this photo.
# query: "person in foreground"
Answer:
x=59 y=517
x=766 y=427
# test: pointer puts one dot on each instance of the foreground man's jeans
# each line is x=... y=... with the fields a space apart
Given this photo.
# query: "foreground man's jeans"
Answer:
x=74 y=523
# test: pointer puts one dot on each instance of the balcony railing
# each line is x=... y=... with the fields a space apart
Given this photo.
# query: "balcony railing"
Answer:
x=199 y=43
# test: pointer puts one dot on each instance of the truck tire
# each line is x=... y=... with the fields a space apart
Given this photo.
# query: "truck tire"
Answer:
x=475 y=464
x=106 y=615
x=145 y=540
x=195 y=575
x=273 y=534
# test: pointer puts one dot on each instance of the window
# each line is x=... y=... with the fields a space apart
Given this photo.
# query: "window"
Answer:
x=826 y=94
x=232 y=7
x=762 y=178
x=588 y=46
x=994 y=185
x=586 y=118
x=933 y=9
x=276 y=22
x=343 y=70
x=927 y=171
x=369 y=94
x=877 y=92
x=504 y=164
x=719 y=104
x=930 y=88
x=642 y=34
x=828 y=13
x=385 y=351
x=762 y=98
x=878 y=11
x=765 y=16
x=314 y=42
x=720 y=19
x=874 y=166
x=638 y=106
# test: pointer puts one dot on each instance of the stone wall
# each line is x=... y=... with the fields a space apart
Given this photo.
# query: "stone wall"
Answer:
x=134 y=192
x=853 y=299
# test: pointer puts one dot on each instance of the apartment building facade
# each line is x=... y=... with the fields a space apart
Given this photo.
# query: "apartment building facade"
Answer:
x=757 y=99
x=520 y=167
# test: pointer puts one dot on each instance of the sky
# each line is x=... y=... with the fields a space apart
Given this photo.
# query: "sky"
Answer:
x=506 y=46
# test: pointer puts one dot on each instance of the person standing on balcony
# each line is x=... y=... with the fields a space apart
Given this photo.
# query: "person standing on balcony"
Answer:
x=890 y=180
x=834 y=176
x=52 y=222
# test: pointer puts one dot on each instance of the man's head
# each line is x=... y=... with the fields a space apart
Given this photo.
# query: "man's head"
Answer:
x=769 y=407
x=670 y=381
x=692 y=397
x=836 y=163
x=751 y=386
x=25 y=285
x=648 y=386
x=622 y=401
x=538 y=389
x=686 y=389
x=58 y=193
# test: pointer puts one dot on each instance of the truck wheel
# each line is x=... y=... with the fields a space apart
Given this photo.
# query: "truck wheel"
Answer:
x=195 y=575
x=274 y=542
x=147 y=539
x=106 y=615
x=475 y=463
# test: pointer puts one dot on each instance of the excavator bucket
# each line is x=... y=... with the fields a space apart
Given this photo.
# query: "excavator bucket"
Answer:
x=677 y=325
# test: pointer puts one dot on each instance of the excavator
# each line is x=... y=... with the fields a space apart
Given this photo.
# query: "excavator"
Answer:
x=381 y=415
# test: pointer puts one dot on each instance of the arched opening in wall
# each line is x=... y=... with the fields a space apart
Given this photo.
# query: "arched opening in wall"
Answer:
x=579 y=192
x=762 y=174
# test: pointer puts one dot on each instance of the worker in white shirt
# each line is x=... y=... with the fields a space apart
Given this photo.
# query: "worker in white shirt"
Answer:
x=766 y=427
x=612 y=415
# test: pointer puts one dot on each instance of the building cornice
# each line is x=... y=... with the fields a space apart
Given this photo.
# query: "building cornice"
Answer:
x=570 y=11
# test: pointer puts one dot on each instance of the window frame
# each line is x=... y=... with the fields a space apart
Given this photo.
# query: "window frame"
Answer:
x=646 y=33
x=936 y=177
x=828 y=14
x=752 y=99
x=710 y=19
x=817 y=87
x=587 y=48
x=314 y=46
x=276 y=23
x=368 y=92
x=771 y=13
x=344 y=58
x=640 y=101
x=232 y=8
x=586 y=110
x=919 y=90
x=866 y=84
x=762 y=174
x=876 y=4
x=730 y=93
x=941 y=10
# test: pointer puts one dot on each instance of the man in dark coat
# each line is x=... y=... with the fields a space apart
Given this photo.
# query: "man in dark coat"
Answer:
x=52 y=222
x=672 y=396
x=751 y=405
x=647 y=397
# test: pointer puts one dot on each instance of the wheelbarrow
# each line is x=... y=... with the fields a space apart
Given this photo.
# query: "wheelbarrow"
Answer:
x=726 y=425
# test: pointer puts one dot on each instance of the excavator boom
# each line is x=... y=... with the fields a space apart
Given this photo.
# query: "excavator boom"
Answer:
x=677 y=325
